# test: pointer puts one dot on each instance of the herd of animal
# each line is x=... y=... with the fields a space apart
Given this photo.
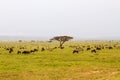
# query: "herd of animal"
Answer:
x=24 y=50
x=92 y=49
x=75 y=49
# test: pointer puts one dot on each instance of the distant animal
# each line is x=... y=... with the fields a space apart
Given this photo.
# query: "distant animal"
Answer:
x=42 y=49
x=10 y=50
x=77 y=50
x=7 y=48
x=88 y=48
x=61 y=47
x=35 y=50
x=18 y=52
x=32 y=51
x=110 y=47
x=93 y=51
x=26 y=52
x=98 y=48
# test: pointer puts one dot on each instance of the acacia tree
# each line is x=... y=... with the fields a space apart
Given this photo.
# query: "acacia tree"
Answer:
x=61 y=39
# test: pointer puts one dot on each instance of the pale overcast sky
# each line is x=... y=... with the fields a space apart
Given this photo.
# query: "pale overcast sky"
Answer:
x=82 y=18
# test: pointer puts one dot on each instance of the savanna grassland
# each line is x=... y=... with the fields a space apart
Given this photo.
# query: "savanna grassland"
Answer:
x=54 y=63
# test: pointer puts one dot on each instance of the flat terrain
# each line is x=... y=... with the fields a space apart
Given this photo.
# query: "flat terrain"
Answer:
x=60 y=64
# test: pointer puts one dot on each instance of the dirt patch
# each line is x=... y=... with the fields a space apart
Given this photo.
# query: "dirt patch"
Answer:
x=92 y=72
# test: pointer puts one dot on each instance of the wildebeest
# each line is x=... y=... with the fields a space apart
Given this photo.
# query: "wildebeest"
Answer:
x=110 y=47
x=7 y=48
x=10 y=50
x=88 y=48
x=77 y=50
x=61 y=47
x=98 y=48
x=18 y=52
x=42 y=49
x=26 y=52
x=35 y=50
x=93 y=51
x=32 y=51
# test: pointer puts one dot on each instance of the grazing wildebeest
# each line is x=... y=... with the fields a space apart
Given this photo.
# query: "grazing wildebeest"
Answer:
x=18 y=52
x=98 y=48
x=10 y=50
x=110 y=47
x=35 y=50
x=42 y=49
x=7 y=48
x=93 y=51
x=32 y=51
x=61 y=47
x=88 y=48
x=77 y=50
x=26 y=52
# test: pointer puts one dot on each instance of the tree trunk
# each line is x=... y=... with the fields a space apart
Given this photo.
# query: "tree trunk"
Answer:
x=61 y=44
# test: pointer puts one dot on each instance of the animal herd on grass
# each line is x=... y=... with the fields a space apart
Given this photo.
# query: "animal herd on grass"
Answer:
x=75 y=49
x=93 y=48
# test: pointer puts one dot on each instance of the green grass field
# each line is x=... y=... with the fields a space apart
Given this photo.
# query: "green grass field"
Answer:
x=59 y=64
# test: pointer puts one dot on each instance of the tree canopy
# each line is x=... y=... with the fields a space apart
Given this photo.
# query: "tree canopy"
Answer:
x=62 y=39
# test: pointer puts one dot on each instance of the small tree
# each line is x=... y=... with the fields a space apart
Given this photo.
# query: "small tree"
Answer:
x=20 y=41
x=61 y=39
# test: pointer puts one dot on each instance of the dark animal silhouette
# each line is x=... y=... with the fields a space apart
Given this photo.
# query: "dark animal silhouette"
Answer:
x=32 y=51
x=18 y=52
x=93 y=51
x=77 y=50
x=110 y=47
x=26 y=52
x=88 y=48
x=35 y=50
x=98 y=48
x=42 y=49
x=61 y=47
x=10 y=50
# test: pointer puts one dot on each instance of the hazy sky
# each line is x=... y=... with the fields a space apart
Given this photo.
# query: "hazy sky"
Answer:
x=83 y=18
